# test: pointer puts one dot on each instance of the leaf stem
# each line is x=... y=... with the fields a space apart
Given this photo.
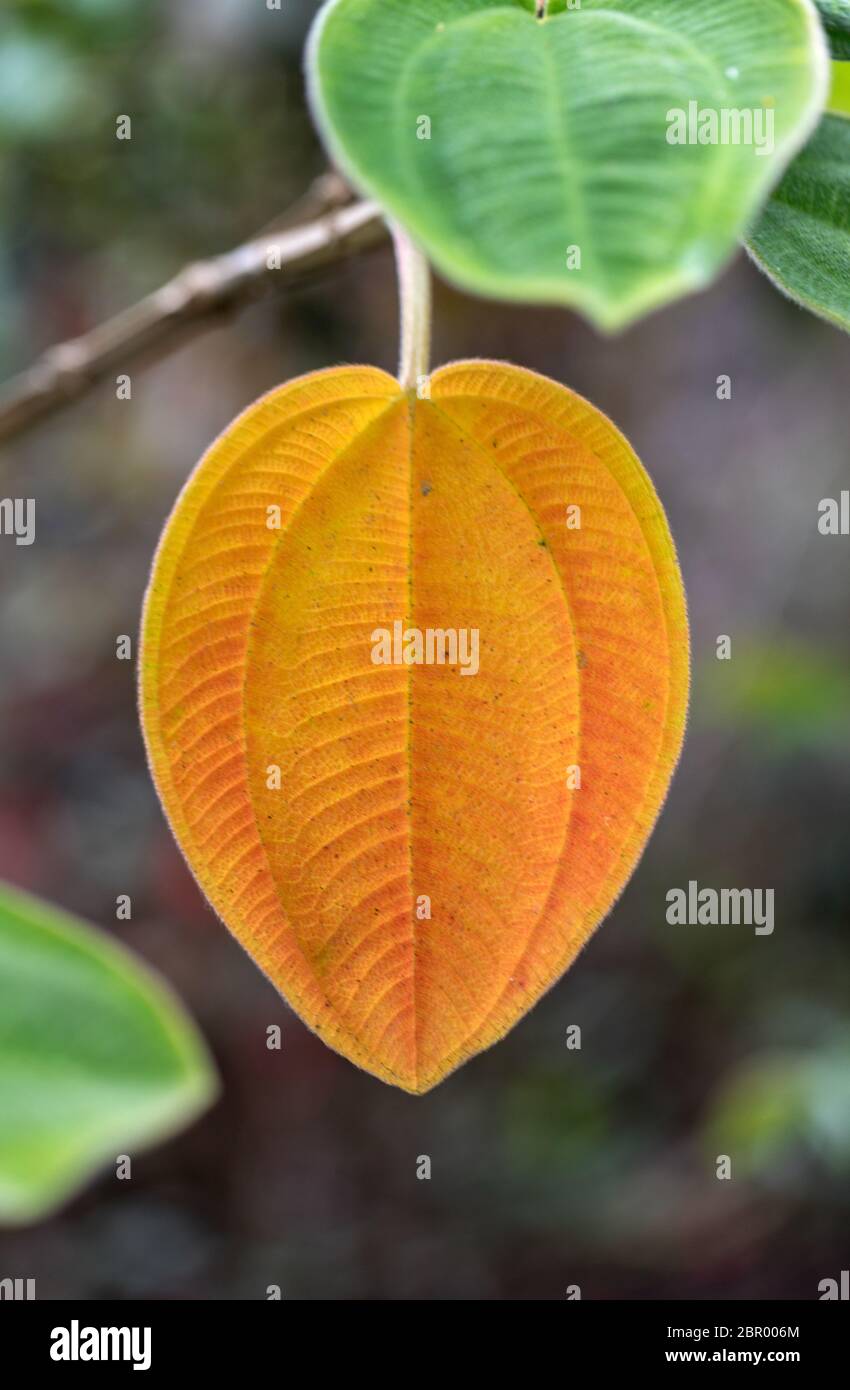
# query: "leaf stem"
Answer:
x=414 y=292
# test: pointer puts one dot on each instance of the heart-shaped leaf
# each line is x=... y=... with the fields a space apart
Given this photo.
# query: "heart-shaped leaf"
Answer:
x=564 y=160
x=96 y=1057
x=414 y=678
x=803 y=239
x=836 y=20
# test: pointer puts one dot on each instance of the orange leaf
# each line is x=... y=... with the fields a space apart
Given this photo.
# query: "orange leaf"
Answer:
x=403 y=850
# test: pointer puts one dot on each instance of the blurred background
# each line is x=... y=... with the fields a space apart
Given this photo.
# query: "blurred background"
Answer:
x=551 y=1167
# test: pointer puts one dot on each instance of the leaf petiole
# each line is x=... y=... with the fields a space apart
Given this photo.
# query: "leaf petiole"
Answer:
x=414 y=292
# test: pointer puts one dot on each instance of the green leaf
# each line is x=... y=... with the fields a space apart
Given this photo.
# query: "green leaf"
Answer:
x=550 y=135
x=839 y=95
x=836 y=21
x=96 y=1057
x=803 y=239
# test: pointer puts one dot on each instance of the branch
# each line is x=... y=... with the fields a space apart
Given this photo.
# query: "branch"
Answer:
x=188 y=304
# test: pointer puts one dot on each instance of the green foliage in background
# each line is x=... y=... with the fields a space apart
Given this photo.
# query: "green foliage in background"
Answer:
x=836 y=20
x=789 y=694
x=501 y=141
x=214 y=108
x=96 y=1057
x=48 y=53
x=784 y=1105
